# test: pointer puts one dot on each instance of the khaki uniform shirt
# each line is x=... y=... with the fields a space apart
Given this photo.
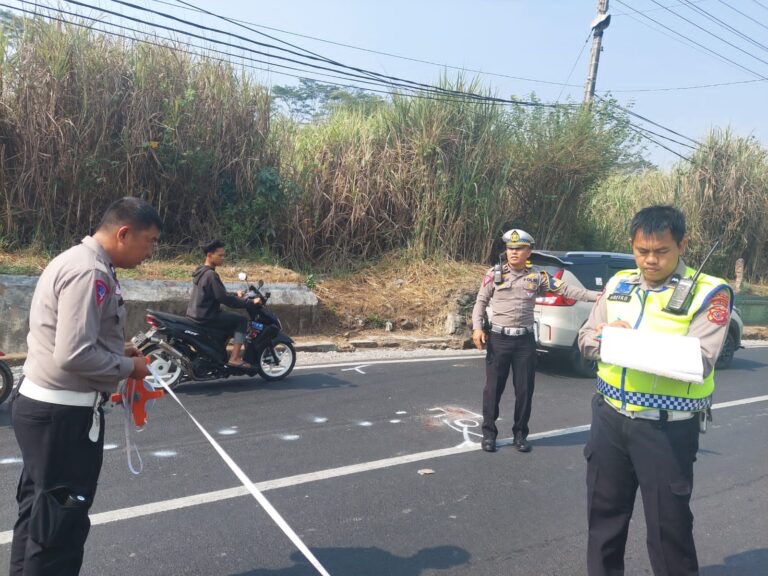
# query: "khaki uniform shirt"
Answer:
x=76 y=337
x=513 y=300
x=710 y=333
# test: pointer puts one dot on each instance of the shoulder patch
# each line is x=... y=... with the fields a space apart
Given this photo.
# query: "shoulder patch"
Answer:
x=101 y=290
x=718 y=312
x=487 y=280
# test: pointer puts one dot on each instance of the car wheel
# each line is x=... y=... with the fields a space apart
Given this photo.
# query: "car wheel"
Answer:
x=726 y=355
x=582 y=366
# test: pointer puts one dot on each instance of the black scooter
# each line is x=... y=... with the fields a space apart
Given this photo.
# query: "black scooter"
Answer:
x=181 y=348
x=6 y=380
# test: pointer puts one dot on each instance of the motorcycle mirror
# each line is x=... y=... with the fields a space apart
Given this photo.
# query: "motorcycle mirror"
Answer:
x=261 y=283
x=243 y=276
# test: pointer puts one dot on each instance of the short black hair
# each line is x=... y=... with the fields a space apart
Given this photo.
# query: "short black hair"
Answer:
x=655 y=220
x=133 y=212
x=211 y=246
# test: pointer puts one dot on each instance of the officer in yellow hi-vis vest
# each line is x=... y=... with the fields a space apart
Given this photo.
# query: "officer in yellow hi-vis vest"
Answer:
x=511 y=292
x=645 y=428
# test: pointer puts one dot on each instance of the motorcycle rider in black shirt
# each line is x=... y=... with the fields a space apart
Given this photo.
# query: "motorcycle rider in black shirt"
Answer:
x=209 y=293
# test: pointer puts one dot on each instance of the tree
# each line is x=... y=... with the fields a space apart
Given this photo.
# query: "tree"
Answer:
x=312 y=100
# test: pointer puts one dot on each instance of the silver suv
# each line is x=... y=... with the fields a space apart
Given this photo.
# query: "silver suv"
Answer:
x=558 y=319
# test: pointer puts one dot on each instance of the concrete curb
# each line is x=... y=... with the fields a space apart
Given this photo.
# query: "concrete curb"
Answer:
x=309 y=344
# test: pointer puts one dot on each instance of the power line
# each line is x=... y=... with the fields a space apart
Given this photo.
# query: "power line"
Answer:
x=675 y=36
x=390 y=80
x=609 y=103
x=696 y=87
x=418 y=95
x=581 y=52
x=725 y=25
x=371 y=51
x=459 y=96
x=739 y=48
x=642 y=134
x=697 y=43
x=763 y=6
x=641 y=117
x=310 y=57
x=747 y=16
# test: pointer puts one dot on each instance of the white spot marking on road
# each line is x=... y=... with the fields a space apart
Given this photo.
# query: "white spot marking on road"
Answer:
x=395 y=421
x=401 y=412
x=228 y=431
x=289 y=437
x=238 y=491
x=110 y=446
x=319 y=420
x=12 y=460
x=165 y=453
x=364 y=423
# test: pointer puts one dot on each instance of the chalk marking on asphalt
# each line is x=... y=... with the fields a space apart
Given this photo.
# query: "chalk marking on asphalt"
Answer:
x=288 y=481
x=358 y=368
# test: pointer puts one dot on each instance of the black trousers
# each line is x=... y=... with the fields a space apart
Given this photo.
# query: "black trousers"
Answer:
x=622 y=454
x=228 y=322
x=505 y=352
x=56 y=488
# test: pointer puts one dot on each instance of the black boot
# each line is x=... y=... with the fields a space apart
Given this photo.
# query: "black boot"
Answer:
x=489 y=445
x=521 y=443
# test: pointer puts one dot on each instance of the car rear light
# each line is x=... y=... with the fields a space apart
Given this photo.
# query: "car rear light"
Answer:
x=552 y=299
x=151 y=320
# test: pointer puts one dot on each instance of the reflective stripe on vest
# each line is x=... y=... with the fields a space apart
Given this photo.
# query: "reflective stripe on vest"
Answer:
x=643 y=310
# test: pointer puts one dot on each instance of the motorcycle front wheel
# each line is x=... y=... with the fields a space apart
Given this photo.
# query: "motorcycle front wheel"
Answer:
x=276 y=361
x=165 y=365
x=6 y=381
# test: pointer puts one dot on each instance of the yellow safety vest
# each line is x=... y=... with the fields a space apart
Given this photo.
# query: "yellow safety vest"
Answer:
x=643 y=309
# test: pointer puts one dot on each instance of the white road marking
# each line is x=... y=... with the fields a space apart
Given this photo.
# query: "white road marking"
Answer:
x=228 y=493
x=358 y=368
x=353 y=365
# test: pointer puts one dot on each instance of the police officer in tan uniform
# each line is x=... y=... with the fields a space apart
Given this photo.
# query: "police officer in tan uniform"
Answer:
x=511 y=292
x=76 y=355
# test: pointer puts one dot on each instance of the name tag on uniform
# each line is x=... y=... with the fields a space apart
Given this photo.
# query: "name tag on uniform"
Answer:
x=620 y=297
x=622 y=292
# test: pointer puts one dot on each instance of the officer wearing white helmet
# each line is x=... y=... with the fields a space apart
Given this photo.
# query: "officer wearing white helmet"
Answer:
x=511 y=289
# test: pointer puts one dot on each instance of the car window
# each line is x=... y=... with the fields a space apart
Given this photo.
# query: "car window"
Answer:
x=591 y=274
x=595 y=274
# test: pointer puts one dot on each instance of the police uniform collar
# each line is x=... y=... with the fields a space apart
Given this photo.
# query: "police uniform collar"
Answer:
x=509 y=270
x=680 y=271
x=93 y=244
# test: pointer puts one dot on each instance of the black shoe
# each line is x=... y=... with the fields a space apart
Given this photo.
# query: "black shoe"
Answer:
x=521 y=444
x=489 y=445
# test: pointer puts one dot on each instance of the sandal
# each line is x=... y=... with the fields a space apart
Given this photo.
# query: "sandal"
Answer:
x=241 y=365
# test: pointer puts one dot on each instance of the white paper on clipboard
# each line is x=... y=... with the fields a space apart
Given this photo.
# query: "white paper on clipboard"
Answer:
x=677 y=357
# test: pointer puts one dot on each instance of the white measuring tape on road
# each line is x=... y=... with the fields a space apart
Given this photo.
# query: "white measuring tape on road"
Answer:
x=269 y=509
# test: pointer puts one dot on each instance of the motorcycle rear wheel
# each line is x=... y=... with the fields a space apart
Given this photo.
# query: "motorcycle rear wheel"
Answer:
x=165 y=365
x=286 y=356
x=6 y=381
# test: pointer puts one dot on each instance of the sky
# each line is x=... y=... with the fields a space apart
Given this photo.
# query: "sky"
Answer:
x=651 y=57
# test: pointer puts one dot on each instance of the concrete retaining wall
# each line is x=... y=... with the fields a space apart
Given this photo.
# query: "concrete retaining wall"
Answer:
x=754 y=309
x=295 y=305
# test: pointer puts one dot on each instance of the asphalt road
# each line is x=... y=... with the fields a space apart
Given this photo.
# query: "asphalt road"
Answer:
x=341 y=452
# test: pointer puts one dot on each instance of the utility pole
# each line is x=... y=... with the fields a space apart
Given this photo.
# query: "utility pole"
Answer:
x=600 y=23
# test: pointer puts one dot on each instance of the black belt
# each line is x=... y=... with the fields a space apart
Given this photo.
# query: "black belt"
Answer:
x=511 y=330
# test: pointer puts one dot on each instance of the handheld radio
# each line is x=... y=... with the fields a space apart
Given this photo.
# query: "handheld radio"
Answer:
x=497 y=276
x=681 y=297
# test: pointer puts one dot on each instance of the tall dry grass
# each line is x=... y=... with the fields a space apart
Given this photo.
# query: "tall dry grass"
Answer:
x=86 y=119
x=442 y=177
x=723 y=193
